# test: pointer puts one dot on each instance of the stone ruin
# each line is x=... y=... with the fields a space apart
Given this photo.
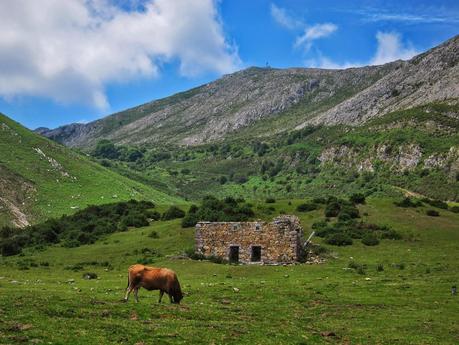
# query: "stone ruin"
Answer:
x=279 y=241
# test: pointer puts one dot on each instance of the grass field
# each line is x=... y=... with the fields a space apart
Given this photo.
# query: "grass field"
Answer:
x=409 y=302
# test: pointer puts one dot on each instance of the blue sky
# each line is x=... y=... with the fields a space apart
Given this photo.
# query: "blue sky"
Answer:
x=79 y=60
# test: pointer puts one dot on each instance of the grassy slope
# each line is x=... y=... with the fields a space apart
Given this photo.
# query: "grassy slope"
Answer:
x=87 y=183
x=275 y=304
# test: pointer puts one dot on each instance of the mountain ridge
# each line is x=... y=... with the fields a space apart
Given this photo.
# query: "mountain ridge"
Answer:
x=292 y=97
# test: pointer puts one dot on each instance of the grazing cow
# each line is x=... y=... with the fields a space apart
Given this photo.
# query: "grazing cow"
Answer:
x=151 y=278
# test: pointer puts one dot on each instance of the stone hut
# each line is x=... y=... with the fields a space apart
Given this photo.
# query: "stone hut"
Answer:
x=280 y=241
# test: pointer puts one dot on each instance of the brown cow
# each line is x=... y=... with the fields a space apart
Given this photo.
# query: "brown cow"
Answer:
x=151 y=278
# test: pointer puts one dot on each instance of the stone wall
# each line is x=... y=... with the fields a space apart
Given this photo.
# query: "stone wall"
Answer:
x=280 y=240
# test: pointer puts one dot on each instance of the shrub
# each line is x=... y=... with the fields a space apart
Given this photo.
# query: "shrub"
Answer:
x=339 y=239
x=454 y=209
x=215 y=210
x=173 y=212
x=134 y=219
x=270 y=200
x=306 y=207
x=223 y=179
x=391 y=234
x=408 y=202
x=380 y=267
x=332 y=209
x=357 y=198
x=348 y=212
x=370 y=239
x=436 y=203
x=319 y=200
x=153 y=234
x=319 y=225
x=432 y=213
x=359 y=268
x=189 y=220
x=154 y=215
x=10 y=247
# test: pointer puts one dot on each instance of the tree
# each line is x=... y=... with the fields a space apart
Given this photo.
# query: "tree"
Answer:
x=106 y=149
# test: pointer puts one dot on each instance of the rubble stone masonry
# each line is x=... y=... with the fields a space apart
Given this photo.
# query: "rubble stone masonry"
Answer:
x=279 y=241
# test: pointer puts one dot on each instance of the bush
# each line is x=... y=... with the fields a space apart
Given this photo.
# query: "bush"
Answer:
x=436 y=203
x=215 y=210
x=408 y=202
x=306 y=207
x=339 y=239
x=135 y=219
x=332 y=209
x=357 y=198
x=319 y=200
x=391 y=234
x=380 y=267
x=432 y=213
x=359 y=268
x=153 y=234
x=454 y=209
x=154 y=215
x=10 y=247
x=189 y=220
x=270 y=200
x=348 y=212
x=173 y=212
x=370 y=240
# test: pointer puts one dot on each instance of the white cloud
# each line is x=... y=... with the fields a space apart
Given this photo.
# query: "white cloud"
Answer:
x=69 y=50
x=310 y=32
x=281 y=16
x=390 y=48
x=313 y=33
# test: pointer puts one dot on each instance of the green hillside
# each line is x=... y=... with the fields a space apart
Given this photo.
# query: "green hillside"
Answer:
x=40 y=179
x=415 y=149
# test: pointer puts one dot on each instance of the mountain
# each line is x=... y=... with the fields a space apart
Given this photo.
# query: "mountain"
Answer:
x=263 y=101
x=40 y=178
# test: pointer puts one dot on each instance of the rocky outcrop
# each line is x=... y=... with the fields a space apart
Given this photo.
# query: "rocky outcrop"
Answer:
x=429 y=77
x=401 y=158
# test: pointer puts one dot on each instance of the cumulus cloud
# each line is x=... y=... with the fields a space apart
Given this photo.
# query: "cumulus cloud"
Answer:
x=390 y=47
x=69 y=50
x=313 y=33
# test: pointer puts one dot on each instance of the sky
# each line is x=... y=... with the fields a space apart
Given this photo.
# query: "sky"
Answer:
x=66 y=61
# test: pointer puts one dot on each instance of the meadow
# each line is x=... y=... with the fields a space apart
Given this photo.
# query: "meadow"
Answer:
x=401 y=295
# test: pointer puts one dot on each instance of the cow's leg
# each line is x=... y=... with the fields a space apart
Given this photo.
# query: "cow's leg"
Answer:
x=128 y=292
x=170 y=298
x=161 y=293
x=136 y=294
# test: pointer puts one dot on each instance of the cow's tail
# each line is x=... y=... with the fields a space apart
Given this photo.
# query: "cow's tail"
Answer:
x=175 y=291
